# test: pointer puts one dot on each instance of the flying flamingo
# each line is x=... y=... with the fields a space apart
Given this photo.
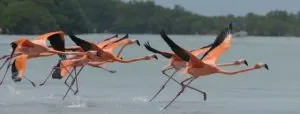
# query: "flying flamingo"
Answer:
x=108 y=45
x=33 y=49
x=56 y=71
x=177 y=63
x=96 y=54
x=66 y=65
x=56 y=40
x=207 y=64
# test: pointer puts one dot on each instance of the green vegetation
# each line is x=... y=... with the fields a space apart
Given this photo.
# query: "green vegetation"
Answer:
x=86 y=16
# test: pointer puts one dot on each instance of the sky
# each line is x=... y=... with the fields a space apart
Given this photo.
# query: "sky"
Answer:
x=235 y=7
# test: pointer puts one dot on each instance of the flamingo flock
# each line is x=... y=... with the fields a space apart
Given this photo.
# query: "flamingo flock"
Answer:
x=72 y=59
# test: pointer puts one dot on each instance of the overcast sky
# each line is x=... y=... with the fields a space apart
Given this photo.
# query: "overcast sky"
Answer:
x=236 y=7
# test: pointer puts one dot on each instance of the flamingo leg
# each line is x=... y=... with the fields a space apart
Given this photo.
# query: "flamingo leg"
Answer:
x=76 y=81
x=70 y=75
x=8 y=66
x=163 y=86
x=190 y=87
x=32 y=83
x=51 y=72
x=6 y=60
x=98 y=66
x=72 y=83
x=4 y=56
x=181 y=91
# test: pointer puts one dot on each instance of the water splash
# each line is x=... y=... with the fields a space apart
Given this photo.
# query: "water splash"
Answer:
x=13 y=90
x=77 y=105
x=76 y=102
x=140 y=99
x=49 y=97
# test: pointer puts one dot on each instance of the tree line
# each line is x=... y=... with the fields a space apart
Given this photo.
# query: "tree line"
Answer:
x=115 y=16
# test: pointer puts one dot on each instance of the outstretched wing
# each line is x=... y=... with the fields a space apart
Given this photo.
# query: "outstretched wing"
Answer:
x=18 y=67
x=85 y=45
x=74 y=48
x=113 y=45
x=165 y=54
x=56 y=40
x=182 y=53
x=201 y=50
x=220 y=45
x=108 y=45
x=107 y=41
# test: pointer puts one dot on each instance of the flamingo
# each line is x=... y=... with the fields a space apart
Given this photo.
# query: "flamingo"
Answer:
x=66 y=65
x=56 y=72
x=27 y=49
x=207 y=64
x=177 y=63
x=98 y=55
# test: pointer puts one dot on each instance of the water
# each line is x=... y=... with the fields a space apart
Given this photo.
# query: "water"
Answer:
x=126 y=92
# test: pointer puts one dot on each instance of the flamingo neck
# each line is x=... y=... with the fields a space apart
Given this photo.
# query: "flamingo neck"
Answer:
x=236 y=72
x=132 y=60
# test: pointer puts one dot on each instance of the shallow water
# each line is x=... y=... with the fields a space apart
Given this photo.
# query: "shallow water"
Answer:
x=126 y=92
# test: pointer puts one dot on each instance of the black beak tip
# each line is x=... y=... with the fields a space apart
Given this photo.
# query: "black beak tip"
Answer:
x=246 y=63
x=266 y=66
x=138 y=43
x=155 y=57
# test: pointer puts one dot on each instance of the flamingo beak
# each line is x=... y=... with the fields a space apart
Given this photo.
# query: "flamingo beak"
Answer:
x=154 y=56
x=266 y=66
x=245 y=62
x=138 y=42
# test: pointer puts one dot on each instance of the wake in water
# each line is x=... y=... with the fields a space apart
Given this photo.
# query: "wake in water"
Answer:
x=76 y=102
x=13 y=90
x=143 y=99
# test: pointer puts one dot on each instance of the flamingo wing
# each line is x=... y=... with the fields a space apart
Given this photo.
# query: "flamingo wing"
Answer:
x=107 y=40
x=165 y=54
x=27 y=43
x=56 y=40
x=201 y=50
x=113 y=45
x=18 y=67
x=182 y=53
x=74 y=48
x=220 y=45
x=85 y=45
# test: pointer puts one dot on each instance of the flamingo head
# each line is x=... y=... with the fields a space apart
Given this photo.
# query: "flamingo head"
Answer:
x=260 y=65
x=13 y=46
x=135 y=41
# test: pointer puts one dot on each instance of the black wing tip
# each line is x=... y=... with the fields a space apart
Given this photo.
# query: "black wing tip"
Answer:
x=163 y=32
x=71 y=35
x=148 y=47
x=126 y=36
x=116 y=35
